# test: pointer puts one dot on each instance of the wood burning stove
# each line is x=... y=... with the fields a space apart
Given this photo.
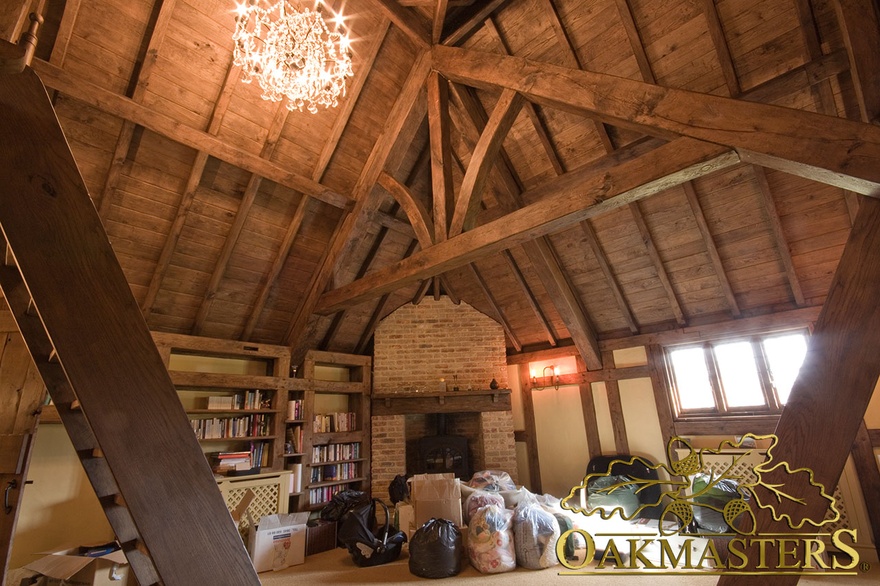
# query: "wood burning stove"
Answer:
x=442 y=452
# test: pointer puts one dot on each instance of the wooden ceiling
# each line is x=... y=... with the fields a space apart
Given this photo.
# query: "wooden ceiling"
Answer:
x=577 y=170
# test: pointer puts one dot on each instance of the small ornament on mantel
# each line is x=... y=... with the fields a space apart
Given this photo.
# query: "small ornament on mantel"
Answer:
x=442 y=386
x=493 y=384
x=454 y=382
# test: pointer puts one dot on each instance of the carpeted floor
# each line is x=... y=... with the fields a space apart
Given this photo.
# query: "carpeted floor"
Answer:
x=336 y=567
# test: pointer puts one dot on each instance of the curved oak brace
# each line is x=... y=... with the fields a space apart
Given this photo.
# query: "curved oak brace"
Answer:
x=417 y=213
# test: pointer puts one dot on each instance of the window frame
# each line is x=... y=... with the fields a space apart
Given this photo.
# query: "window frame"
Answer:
x=722 y=410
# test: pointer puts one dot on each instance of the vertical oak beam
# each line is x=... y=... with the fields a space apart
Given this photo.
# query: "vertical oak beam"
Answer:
x=588 y=405
x=836 y=381
x=441 y=154
x=528 y=407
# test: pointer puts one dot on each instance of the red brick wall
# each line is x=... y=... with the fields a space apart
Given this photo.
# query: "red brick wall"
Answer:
x=416 y=346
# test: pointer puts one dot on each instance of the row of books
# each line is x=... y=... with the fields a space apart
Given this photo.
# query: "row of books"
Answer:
x=336 y=452
x=322 y=495
x=295 y=409
x=330 y=472
x=241 y=400
x=293 y=441
x=332 y=422
x=231 y=427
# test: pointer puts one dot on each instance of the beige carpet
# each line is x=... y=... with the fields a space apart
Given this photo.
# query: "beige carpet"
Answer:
x=336 y=567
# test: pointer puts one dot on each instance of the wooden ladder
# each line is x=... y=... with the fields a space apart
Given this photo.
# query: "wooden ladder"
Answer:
x=85 y=333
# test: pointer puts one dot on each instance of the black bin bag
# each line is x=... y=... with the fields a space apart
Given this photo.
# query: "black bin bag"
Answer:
x=435 y=550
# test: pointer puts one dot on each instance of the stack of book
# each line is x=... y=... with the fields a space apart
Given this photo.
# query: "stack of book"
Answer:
x=226 y=462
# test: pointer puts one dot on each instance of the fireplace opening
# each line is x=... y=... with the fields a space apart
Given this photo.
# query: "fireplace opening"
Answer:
x=442 y=452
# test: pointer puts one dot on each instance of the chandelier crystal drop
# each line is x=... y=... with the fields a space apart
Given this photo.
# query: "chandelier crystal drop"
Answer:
x=292 y=53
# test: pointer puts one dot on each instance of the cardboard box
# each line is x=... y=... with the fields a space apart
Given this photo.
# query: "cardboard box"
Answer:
x=320 y=537
x=278 y=541
x=436 y=496
x=71 y=569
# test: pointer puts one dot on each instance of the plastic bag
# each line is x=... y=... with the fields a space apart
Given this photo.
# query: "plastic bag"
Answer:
x=722 y=492
x=490 y=543
x=480 y=498
x=398 y=490
x=492 y=480
x=535 y=532
x=342 y=502
x=435 y=550
x=611 y=492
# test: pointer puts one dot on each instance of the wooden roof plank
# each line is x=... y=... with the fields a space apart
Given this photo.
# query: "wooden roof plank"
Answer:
x=605 y=267
x=530 y=297
x=530 y=109
x=575 y=63
x=624 y=10
x=691 y=194
x=65 y=30
x=165 y=125
x=654 y=255
x=499 y=314
x=247 y=201
x=779 y=238
x=822 y=148
x=722 y=50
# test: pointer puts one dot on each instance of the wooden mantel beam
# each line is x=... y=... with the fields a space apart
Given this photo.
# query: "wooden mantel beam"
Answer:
x=822 y=148
x=614 y=180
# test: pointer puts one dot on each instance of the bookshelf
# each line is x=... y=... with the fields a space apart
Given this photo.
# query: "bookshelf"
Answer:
x=233 y=394
x=335 y=394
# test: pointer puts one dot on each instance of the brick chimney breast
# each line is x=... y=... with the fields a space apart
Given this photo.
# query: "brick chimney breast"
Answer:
x=416 y=346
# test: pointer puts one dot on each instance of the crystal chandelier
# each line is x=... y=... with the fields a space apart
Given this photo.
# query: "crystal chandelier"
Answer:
x=292 y=53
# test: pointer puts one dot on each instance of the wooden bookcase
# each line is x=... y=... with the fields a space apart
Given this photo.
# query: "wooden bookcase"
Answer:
x=335 y=453
x=208 y=368
x=327 y=383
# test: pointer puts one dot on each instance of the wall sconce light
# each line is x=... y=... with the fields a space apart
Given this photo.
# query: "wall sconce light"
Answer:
x=554 y=378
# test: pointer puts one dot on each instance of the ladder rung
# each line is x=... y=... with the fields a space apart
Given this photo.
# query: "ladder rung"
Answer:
x=75 y=405
x=99 y=475
x=53 y=356
x=140 y=561
x=120 y=520
x=31 y=308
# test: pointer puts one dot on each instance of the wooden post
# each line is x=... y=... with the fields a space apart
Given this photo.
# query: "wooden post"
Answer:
x=829 y=398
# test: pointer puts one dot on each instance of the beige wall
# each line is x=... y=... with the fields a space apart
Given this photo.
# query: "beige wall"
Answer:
x=59 y=509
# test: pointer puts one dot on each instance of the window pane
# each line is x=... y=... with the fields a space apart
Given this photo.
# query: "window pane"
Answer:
x=739 y=375
x=785 y=354
x=692 y=379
